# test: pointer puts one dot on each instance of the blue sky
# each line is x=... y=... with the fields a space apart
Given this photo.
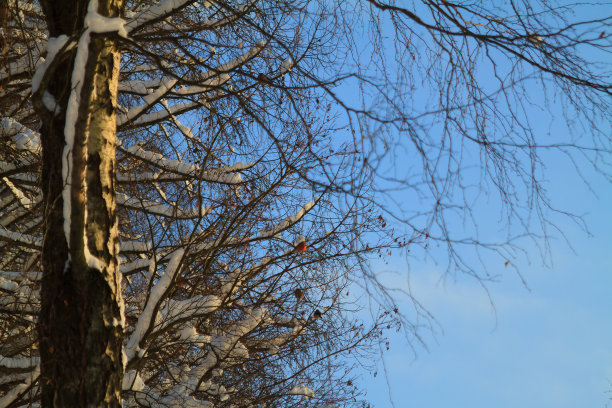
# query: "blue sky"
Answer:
x=546 y=346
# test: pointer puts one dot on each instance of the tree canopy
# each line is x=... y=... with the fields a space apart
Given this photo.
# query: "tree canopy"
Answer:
x=192 y=192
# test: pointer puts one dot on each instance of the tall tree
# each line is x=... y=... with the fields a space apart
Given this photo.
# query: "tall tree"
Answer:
x=221 y=166
x=75 y=95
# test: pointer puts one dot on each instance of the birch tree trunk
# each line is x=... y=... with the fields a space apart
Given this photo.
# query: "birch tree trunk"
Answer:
x=80 y=323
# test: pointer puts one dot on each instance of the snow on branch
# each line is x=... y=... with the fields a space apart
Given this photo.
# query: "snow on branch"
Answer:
x=25 y=6
x=302 y=390
x=190 y=335
x=135 y=246
x=149 y=398
x=25 y=202
x=132 y=381
x=207 y=82
x=272 y=345
x=19 y=362
x=206 y=86
x=21 y=239
x=156 y=12
x=149 y=99
x=149 y=313
x=139 y=86
x=19 y=165
x=227 y=345
x=230 y=65
x=153 y=207
x=22 y=67
x=23 y=137
x=21 y=290
x=226 y=174
x=19 y=389
x=128 y=268
x=289 y=221
x=20 y=276
x=157 y=116
x=142 y=87
x=178 y=310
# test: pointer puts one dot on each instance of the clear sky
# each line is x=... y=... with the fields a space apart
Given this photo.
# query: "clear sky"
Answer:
x=549 y=346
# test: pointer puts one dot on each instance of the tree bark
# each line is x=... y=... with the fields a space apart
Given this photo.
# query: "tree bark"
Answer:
x=80 y=325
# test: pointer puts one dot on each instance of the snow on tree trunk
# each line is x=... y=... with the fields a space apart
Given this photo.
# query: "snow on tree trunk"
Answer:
x=80 y=323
